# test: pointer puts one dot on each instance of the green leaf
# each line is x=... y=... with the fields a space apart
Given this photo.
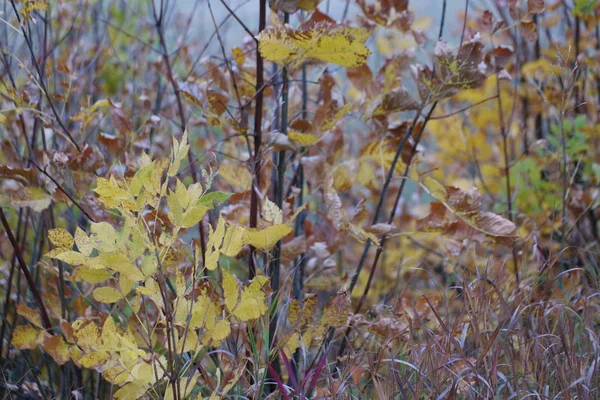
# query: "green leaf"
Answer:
x=210 y=199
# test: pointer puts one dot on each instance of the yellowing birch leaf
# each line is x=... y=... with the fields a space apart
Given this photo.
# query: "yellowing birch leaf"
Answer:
x=112 y=195
x=93 y=359
x=324 y=41
x=87 y=335
x=235 y=174
x=192 y=216
x=187 y=342
x=33 y=197
x=303 y=139
x=91 y=275
x=180 y=284
x=215 y=238
x=221 y=330
x=435 y=188
x=61 y=238
x=133 y=390
x=341 y=179
x=57 y=348
x=271 y=212
x=107 y=295
x=291 y=344
x=25 y=337
x=230 y=291
x=30 y=315
x=125 y=284
x=103 y=236
x=238 y=54
x=83 y=242
x=70 y=257
x=178 y=153
x=252 y=304
x=233 y=241
x=117 y=262
x=185 y=388
x=265 y=239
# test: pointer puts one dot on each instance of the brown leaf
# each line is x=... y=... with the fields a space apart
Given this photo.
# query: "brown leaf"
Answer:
x=285 y=6
x=26 y=176
x=398 y=99
x=120 y=121
x=500 y=228
x=57 y=348
x=536 y=6
x=529 y=30
x=382 y=229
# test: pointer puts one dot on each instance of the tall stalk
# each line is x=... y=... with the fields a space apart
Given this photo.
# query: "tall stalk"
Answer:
x=257 y=156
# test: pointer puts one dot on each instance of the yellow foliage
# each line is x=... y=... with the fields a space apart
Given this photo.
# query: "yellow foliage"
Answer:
x=323 y=41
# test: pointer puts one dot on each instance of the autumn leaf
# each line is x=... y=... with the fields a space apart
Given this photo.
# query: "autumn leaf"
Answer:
x=57 y=347
x=322 y=41
x=178 y=153
x=30 y=315
x=25 y=337
x=33 y=197
x=265 y=239
x=107 y=295
x=250 y=303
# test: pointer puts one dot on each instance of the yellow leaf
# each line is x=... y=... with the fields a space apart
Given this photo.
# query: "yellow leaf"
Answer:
x=87 y=335
x=190 y=344
x=324 y=41
x=252 y=304
x=178 y=153
x=133 y=390
x=341 y=179
x=221 y=330
x=117 y=262
x=337 y=310
x=30 y=315
x=230 y=291
x=91 y=275
x=266 y=239
x=70 y=257
x=61 y=238
x=94 y=359
x=83 y=242
x=33 y=197
x=185 y=388
x=57 y=348
x=308 y=5
x=271 y=212
x=143 y=373
x=303 y=139
x=194 y=215
x=233 y=241
x=291 y=344
x=103 y=236
x=435 y=188
x=125 y=284
x=112 y=195
x=238 y=55
x=25 y=337
x=235 y=174
x=107 y=295
x=213 y=245
x=180 y=284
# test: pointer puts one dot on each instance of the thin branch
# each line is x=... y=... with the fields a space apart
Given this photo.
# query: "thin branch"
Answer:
x=30 y=281
x=257 y=157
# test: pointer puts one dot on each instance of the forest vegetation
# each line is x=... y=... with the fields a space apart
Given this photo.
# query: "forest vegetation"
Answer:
x=344 y=199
